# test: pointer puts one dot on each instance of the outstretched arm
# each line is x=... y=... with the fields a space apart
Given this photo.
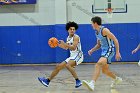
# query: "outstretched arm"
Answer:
x=95 y=48
x=136 y=49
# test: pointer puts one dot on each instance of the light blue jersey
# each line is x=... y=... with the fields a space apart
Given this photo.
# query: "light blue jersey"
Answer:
x=107 y=45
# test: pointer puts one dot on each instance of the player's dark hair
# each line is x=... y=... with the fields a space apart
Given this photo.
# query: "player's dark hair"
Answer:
x=71 y=24
x=97 y=20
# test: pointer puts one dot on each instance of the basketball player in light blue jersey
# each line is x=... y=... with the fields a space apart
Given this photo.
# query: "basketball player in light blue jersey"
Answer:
x=135 y=50
x=76 y=55
x=105 y=41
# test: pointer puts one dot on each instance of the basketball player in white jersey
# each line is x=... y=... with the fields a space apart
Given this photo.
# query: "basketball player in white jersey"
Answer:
x=107 y=42
x=76 y=55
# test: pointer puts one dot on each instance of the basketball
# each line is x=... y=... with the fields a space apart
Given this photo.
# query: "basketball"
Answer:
x=53 y=42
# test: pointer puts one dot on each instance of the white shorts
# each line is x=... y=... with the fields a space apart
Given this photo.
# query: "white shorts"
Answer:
x=77 y=57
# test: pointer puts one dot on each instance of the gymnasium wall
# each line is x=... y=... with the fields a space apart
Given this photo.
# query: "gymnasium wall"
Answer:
x=81 y=12
x=42 y=13
x=25 y=30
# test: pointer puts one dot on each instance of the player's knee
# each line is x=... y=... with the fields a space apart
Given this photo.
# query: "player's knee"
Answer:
x=105 y=71
x=101 y=64
x=98 y=64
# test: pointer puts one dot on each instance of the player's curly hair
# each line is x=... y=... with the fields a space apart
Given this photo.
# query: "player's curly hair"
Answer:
x=71 y=24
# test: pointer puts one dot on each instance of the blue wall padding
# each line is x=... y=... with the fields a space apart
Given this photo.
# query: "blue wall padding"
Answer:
x=34 y=43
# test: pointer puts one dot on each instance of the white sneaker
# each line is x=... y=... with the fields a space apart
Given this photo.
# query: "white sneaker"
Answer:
x=89 y=85
x=118 y=80
x=114 y=91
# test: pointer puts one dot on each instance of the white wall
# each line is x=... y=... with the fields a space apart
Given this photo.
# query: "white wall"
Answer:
x=60 y=12
x=45 y=12
x=42 y=13
x=48 y=12
x=81 y=12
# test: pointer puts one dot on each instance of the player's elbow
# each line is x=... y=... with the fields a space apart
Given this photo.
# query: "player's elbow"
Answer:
x=66 y=48
x=99 y=45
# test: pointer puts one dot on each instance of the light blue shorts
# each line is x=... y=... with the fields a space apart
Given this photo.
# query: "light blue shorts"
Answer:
x=108 y=55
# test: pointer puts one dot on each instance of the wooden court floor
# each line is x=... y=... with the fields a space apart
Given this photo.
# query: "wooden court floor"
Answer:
x=23 y=79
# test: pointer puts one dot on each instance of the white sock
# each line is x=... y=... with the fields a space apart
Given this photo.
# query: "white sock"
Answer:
x=92 y=81
x=116 y=77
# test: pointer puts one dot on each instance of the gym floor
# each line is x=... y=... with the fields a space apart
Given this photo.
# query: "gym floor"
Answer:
x=23 y=79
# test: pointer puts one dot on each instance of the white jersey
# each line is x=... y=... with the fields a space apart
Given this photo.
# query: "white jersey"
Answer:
x=70 y=42
x=77 y=54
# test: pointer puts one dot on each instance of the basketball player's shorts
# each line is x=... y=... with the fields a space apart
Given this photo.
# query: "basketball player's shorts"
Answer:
x=77 y=57
x=108 y=54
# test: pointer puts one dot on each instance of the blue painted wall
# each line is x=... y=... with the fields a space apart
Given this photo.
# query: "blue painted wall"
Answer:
x=33 y=47
x=34 y=43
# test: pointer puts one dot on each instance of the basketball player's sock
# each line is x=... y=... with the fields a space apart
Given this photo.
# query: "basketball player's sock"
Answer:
x=92 y=81
x=48 y=80
x=76 y=79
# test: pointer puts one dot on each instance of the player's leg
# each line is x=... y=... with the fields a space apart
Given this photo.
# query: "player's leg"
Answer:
x=45 y=81
x=106 y=70
x=101 y=62
x=70 y=64
x=90 y=85
x=116 y=80
x=57 y=69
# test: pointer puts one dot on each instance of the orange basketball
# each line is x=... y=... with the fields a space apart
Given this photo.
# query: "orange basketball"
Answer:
x=53 y=42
